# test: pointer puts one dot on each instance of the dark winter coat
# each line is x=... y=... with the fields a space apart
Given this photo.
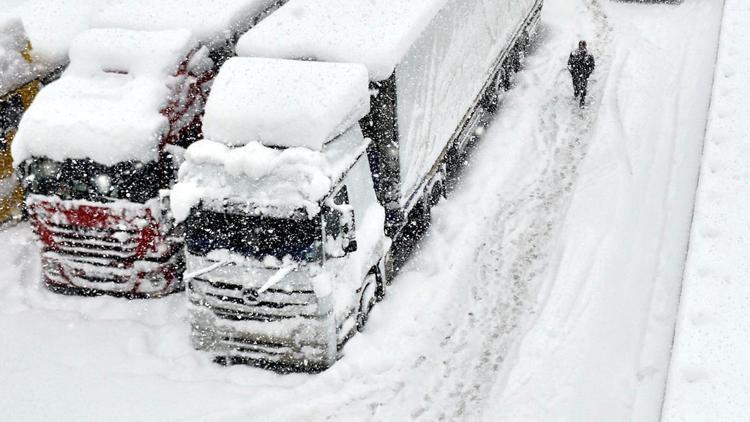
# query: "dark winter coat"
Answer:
x=581 y=64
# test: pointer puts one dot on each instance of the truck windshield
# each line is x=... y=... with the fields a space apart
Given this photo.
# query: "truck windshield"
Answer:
x=88 y=180
x=253 y=236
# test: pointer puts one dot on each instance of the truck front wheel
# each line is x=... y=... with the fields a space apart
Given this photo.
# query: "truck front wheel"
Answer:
x=494 y=94
x=368 y=298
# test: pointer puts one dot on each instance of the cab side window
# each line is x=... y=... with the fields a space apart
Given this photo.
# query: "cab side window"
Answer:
x=339 y=221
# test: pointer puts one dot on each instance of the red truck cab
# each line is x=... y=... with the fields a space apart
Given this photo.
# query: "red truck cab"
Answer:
x=97 y=148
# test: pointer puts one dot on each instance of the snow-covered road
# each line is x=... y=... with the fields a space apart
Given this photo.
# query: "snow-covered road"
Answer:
x=600 y=345
x=546 y=289
x=708 y=374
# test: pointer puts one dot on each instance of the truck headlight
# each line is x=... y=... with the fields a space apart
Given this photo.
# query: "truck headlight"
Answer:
x=103 y=183
x=28 y=180
x=50 y=168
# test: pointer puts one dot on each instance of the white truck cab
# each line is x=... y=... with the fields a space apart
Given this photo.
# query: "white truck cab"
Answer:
x=284 y=234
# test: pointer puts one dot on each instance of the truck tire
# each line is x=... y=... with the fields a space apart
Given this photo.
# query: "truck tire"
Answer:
x=491 y=96
x=368 y=298
x=494 y=94
x=388 y=271
x=515 y=60
x=423 y=216
x=524 y=41
x=438 y=192
x=382 y=278
x=454 y=163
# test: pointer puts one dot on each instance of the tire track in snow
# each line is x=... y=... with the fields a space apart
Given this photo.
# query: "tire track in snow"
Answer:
x=452 y=377
x=452 y=374
x=503 y=287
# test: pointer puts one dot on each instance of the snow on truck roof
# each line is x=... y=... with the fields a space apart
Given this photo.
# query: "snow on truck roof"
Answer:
x=285 y=103
x=376 y=33
x=52 y=25
x=155 y=54
x=272 y=181
x=211 y=22
x=279 y=134
x=107 y=105
x=15 y=70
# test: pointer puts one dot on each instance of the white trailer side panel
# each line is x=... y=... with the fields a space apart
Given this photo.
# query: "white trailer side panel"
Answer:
x=376 y=33
x=442 y=74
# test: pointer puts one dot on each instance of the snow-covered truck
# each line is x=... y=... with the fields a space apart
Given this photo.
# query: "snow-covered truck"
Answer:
x=278 y=267
x=53 y=25
x=433 y=66
x=94 y=150
x=18 y=87
x=289 y=287
x=217 y=25
x=99 y=144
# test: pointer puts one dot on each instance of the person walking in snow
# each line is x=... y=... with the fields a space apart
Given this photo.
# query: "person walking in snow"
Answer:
x=581 y=66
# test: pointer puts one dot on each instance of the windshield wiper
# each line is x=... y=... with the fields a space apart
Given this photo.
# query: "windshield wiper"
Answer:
x=278 y=276
x=214 y=266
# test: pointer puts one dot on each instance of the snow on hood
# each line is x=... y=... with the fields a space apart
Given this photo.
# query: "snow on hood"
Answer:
x=285 y=103
x=15 y=70
x=107 y=105
x=272 y=181
x=376 y=33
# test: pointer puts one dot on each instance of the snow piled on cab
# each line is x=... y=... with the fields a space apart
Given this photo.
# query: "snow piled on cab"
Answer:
x=272 y=181
x=376 y=33
x=52 y=25
x=107 y=106
x=708 y=378
x=279 y=135
x=211 y=23
x=285 y=103
x=15 y=70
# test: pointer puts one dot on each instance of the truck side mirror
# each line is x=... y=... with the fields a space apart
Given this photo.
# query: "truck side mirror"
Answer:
x=351 y=246
x=332 y=221
x=339 y=226
x=165 y=206
x=347 y=227
x=164 y=200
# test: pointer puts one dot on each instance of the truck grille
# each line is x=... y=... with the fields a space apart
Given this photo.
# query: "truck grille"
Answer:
x=97 y=231
x=233 y=302
x=108 y=248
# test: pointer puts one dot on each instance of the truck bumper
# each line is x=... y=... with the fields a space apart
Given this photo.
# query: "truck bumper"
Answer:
x=116 y=249
x=295 y=345
x=289 y=329
x=72 y=275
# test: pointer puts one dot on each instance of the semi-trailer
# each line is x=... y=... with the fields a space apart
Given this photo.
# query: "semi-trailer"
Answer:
x=98 y=145
x=282 y=274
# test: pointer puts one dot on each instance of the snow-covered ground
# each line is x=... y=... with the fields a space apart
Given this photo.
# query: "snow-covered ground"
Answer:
x=599 y=346
x=546 y=289
x=708 y=377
